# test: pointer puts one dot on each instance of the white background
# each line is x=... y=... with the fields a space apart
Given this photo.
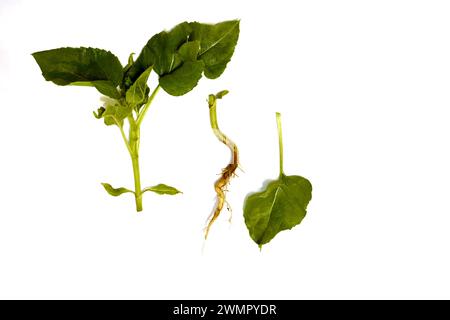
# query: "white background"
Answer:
x=363 y=87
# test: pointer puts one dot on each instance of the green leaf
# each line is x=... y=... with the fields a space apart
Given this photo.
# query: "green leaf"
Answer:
x=115 y=113
x=280 y=206
x=162 y=189
x=138 y=92
x=164 y=47
x=183 y=79
x=217 y=43
x=160 y=52
x=176 y=54
x=115 y=191
x=94 y=67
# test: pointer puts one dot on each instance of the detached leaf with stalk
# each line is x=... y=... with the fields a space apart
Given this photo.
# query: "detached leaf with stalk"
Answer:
x=229 y=171
x=281 y=204
x=179 y=57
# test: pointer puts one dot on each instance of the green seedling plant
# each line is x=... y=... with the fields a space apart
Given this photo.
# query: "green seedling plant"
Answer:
x=280 y=205
x=229 y=171
x=179 y=57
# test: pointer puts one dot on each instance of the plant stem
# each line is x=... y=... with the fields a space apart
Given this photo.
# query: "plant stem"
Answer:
x=213 y=117
x=280 y=141
x=137 y=183
x=134 y=138
x=220 y=135
x=132 y=144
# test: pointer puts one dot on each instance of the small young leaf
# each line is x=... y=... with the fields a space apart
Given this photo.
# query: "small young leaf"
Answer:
x=143 y=62
x=115 y=191
x=162 y=189
x=95 y=67
x=217 y=43
x=126 y=81
x=213 y=97
x=99 y=113
x=130 y=62
x=221 y=94
x=137 y=93
x=116 y=113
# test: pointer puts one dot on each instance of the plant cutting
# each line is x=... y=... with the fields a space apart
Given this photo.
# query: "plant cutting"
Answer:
x=280 y=205
x=229 y=171
x=179 y=57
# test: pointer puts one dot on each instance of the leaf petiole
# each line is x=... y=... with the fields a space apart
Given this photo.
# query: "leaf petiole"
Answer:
x=134 y=139
x=141 y=115
x=280 y=141
x=137 y=182
x=124 y=137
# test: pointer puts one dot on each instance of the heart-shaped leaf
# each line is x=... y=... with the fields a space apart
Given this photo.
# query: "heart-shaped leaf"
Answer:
x=281 y=204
